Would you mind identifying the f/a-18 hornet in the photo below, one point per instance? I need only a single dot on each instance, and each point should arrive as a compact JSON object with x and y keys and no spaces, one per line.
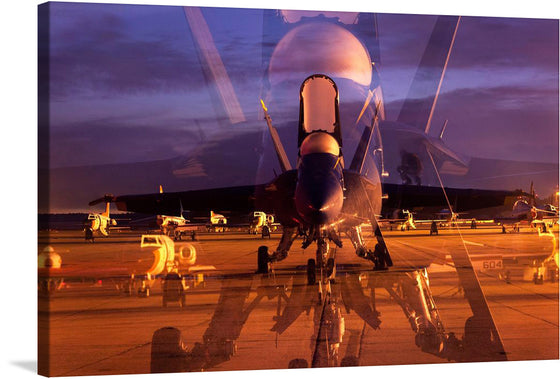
{"x":320,"y":199}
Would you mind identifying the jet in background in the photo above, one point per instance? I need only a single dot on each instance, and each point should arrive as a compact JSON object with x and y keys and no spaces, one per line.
{"x":524,"y":211}
{"x":217,"y":219}
{"x":166,"y":221}
{"x":101,"y":222}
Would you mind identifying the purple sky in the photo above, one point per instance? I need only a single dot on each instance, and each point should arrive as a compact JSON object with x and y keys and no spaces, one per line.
{"x":129,"y":75}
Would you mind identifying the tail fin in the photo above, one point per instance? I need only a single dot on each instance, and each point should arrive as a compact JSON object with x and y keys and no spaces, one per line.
{"x":107,"y":199}
{"x":214,"y":69}
{"x":107,"y":206}
{"x":361,"y":152}
{"x":421,"y":100}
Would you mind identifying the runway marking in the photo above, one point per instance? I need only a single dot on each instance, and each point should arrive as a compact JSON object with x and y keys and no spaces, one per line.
{"x":94,"y":307}
{"x":430,"y":252}
{"x":524,"y":313}
{"x":107,"y":358}
{"x":474,"y":243}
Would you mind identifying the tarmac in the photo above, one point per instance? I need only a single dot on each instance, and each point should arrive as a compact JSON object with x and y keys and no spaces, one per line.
{"x":237,"y":319}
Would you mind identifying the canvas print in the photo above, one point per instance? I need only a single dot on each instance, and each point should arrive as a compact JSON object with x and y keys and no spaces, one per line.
{"x":230,"y":189}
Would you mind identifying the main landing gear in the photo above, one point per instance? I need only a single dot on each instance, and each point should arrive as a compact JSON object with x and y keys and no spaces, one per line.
{"x":322,"y":269}
{"x":379,"y":256}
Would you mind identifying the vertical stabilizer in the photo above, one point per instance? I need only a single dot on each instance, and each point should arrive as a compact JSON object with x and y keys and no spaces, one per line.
{"x":421,"y":100}
{"x":213,"y":65}
{"x":361,"y":152}
{"x":107,"y":206}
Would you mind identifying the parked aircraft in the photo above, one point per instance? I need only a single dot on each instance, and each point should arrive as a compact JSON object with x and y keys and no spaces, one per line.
{"x":260,"y":222}
{"x":217,"y":219}
{"x":175,"y":264}
{"x":166,"y":221}
{"x":320,"y":199}
{"x":524,"y":211}
{"x":101,"y":222}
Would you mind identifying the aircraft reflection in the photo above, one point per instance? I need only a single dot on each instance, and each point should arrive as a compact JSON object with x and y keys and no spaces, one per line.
{"x":354,"y":291}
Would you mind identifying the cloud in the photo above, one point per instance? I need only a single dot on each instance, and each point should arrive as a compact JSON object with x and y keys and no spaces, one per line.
{"x":99,"y":50}
{"x":104,"y":143}
{"x":506,"y":42}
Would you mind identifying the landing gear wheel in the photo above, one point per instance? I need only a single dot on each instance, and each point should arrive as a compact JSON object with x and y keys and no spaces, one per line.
{"x":262,"y":260}
{"x":478,"y":335}
{"x":311,"y":274}
{"x":330,"y":268}
{"x":379,"y":258}
{"x":168,"y":351}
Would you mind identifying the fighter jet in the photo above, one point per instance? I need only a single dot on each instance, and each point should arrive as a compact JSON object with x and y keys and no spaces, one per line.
{"x":524,"y":211}
{"x":101,"y":222}
{"x":320,"y":199}
{"x":167,"y":222}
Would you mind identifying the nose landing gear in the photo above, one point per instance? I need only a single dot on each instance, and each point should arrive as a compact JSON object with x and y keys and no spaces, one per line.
{"x":322,"y":268}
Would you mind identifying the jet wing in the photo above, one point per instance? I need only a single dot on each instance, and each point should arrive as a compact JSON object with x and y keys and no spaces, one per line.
{"x":411,"y":196}
{"x":235,"y":199}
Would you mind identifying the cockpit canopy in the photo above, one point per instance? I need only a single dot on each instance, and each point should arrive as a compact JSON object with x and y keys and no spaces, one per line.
{"x":318,"y":109}
{"x":319,"y":101}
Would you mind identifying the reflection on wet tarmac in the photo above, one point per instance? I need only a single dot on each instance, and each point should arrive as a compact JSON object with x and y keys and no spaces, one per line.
{"x":352,"y":291}
{"x":238,"y":319}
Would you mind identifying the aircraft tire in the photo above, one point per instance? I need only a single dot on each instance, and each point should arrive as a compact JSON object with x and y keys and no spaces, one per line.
{"x":311,"y":274}
{"x":298,"y":363}
{"x":477,"y":335}
{"x":330,"y":268}
{"x":168,"y":353}
{"x":262,"y":260}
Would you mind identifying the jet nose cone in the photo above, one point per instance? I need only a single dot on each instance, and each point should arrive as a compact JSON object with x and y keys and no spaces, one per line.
{"x":319,"y":205}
